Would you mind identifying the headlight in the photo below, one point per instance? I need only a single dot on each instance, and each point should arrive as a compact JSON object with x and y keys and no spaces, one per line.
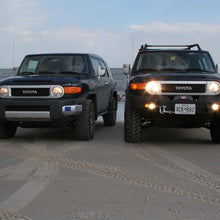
{"x":214,"y":88}
{"x":153,"y":87}
{"x":4,"y":92}
{"x":57,"y":91}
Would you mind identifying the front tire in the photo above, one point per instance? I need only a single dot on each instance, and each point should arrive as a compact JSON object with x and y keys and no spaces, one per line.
{"x":132,"y":124}
{"x":85,"y":122}
{"x":7,"y":130}
{"x":110,"y":118}
{"x":215,"y":132}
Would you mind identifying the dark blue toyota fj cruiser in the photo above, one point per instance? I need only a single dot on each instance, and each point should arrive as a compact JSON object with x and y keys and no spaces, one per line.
{"x":58,"y":90}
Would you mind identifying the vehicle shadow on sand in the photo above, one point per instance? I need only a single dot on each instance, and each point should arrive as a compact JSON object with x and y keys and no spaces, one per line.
{"x":177,"y":136}
{"x":157,"y":136}
{"x":55,"y":134}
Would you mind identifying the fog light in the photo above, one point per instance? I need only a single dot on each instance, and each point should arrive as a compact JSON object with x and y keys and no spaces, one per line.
{"x":215,"y":107}
{"x":150,"y":106}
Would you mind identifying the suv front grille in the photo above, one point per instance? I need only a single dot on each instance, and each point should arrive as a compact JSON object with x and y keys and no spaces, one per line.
{"x":30,"y":92}
{"x":183,"y":88}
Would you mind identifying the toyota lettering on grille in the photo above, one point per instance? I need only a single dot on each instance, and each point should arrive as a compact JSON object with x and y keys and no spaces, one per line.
{"x":183,"y":88}
{"x":29,"y":92}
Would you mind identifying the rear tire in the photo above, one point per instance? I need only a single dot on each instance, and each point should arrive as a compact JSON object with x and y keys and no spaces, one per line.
{"x":7,"y":130}
{"x":215,"y":132}
{"x":132,"y":124}
{"x":110,"y":118}
{"x":85,"y":122}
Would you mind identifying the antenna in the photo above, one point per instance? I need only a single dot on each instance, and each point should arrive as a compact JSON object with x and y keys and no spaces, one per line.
{"x":13,"y":53}
{"x":132,"y":56}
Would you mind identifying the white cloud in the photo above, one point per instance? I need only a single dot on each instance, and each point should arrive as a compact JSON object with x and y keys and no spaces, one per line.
{"x":19,"y":20}
{"x":179,"y":33}
{"x":19,"y":14}
{"x":22,"y":21}
{"x":176,"y":27}
{"x":78,"y":39}
{"x":89,"y":44}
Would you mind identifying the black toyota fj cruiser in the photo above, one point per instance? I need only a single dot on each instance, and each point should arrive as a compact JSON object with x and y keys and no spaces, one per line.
{"x":58,"y":90}
{"x":172,"y":86}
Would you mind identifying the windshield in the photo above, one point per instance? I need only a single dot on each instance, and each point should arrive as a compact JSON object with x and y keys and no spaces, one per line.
{"x":174,"y":61}
{"x":54,"y":64}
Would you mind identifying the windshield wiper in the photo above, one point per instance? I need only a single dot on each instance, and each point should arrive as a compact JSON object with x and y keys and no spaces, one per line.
{"x":199,"y":70}
{"x":147,"y":69}
{"x":70,"y":72}
{"x":171,"y":69}
{"x":46,"y":72}
{"x":25,"y":73}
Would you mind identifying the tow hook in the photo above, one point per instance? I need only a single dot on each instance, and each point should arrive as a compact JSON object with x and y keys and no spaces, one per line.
{"x":163,"y":110}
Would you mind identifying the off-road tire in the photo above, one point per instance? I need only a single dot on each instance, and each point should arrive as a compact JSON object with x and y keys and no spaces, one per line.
{"x":132,"y":124}
{"x":7,"y":130}
{"x":215,"y":132}
{"x":85,"y":122}
{"x":110,"y":118}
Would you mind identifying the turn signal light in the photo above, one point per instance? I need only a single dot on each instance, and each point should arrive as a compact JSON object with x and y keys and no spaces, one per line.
{"x":72,"y":90}
{"x":138,"y":86}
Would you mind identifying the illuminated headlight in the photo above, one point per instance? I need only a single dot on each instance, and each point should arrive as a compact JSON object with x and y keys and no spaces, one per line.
{"x":214,"y":88}
{"x":57,"y":91}
{"x":153,"y":88}
{"x":4,"y":92}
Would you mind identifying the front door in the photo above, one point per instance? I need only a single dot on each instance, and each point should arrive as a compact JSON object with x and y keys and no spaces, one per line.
{"x":100,"y":88}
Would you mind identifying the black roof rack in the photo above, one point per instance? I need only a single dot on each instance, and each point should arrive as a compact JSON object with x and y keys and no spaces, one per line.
{"x":185,"y":47}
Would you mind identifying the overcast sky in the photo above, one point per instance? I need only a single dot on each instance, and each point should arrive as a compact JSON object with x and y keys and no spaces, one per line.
{"x":113,"y":29}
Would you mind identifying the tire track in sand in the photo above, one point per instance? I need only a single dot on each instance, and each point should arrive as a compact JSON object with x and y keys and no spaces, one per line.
{"x":109,"y":172}
{"x":44,"y":173}
{"x":176,"y":165}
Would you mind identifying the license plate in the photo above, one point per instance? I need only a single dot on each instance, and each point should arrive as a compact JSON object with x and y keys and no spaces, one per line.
{"x":185,"y":109}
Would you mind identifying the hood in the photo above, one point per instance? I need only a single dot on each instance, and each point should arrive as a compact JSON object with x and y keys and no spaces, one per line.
{"x":41,"y":80}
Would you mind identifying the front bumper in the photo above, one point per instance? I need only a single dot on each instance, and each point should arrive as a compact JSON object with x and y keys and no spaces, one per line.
{"x":39,"y":109}
{"x":164,"y":113}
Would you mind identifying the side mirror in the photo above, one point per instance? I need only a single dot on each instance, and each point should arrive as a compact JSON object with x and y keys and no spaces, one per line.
{"x":218,"y":68}
{"x":126,"y":69}
{"x":14,"y":70}
{"x":101,"y":71}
